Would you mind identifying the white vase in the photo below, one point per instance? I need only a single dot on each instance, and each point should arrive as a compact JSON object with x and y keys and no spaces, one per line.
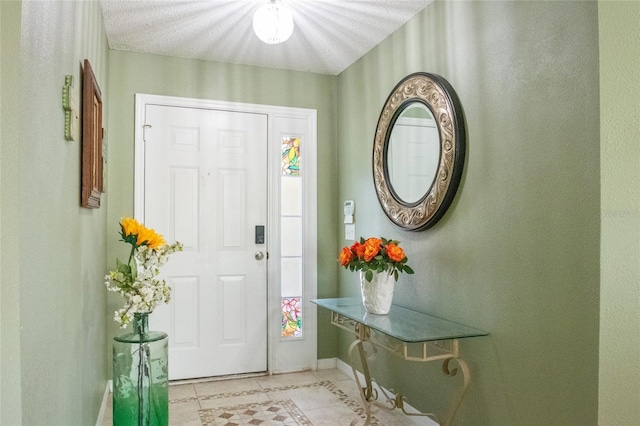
{"x":377,"y":295}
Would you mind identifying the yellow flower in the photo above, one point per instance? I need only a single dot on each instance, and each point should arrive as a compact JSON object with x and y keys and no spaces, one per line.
{"x":136,"y":234}
{"x":129,"y":226}
{"x":150,"y":237}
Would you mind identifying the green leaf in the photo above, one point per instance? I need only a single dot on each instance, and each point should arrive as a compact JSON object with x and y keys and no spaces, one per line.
{"x":134,"y":269}
{"x":368,"y":275}
{"x":407,"y":269}
{"x":123,"y":267}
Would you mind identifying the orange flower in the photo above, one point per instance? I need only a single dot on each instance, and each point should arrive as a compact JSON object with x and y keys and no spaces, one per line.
{"x":345,"y":256}
{"x":375,"y":254}
{"x":358,"y":249}
{"x":372,"y":248}
{"x":395,"y":253}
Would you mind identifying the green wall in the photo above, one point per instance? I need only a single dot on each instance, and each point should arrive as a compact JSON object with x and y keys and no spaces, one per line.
{"x":620,"y":211}
{"x":518,"y":252}
{"x":10,"y":396}
{"x":132,"y":73}
{"x":54,"y":314}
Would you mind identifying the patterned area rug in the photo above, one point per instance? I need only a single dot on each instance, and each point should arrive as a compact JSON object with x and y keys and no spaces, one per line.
{"x":265,"y":413}
{"x":283,"y":412}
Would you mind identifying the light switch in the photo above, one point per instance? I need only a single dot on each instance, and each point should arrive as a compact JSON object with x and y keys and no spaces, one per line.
{"x":350,"y":232}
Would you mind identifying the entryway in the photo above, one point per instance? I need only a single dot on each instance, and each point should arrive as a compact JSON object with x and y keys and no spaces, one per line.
{"x":210,"y":175}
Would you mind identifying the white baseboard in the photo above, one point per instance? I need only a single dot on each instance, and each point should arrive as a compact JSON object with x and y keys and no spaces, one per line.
{"x":345,"y":368}
{"x":421,"y":421}
{"x":103,"y":406}
{"x":327,"y":363}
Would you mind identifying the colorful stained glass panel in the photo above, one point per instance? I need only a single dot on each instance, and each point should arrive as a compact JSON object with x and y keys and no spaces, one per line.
{"x":291,"y":317}
{"x":291,"y":156}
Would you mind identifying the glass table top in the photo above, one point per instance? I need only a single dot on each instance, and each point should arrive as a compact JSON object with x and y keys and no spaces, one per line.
{"x":401,"y":323}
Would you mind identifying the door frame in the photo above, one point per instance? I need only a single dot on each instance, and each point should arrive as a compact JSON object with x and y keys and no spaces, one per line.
{"x":284,"y":354}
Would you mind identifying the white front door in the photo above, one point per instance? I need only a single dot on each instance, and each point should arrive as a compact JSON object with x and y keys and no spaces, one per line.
{"x":205,"y":185}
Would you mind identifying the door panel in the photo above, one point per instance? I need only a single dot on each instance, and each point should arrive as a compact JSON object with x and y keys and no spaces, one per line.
{"x":205,"y":186}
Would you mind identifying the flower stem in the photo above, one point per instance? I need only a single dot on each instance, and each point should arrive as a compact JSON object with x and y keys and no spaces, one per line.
{"x":133,"y":250}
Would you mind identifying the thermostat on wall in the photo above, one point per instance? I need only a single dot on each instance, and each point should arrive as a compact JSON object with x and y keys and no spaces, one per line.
{"x":349,"y":209}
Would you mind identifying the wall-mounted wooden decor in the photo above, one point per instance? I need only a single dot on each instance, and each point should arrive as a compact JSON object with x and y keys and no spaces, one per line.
{"x":91,"y":140}
{"x":71,"y":106}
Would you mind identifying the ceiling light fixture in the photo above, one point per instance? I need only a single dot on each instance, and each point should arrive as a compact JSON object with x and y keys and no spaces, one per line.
{"x":273,"y":22}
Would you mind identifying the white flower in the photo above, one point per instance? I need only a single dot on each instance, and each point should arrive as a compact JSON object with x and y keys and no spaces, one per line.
{"x":143,"y":292}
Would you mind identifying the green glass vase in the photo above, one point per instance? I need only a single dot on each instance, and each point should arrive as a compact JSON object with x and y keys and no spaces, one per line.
{"x":140,"y":376}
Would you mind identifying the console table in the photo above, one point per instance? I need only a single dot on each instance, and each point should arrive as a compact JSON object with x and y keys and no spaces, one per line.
{"x":411,"y":335}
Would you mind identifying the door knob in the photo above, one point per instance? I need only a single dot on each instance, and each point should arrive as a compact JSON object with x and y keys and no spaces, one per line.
{"x":259,"y":255}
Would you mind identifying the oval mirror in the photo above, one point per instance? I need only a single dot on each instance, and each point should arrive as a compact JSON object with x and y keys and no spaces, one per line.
{"x":418,"y":151}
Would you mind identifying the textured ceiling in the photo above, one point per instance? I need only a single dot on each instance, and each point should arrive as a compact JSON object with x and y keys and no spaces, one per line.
{"x":329,"y":35}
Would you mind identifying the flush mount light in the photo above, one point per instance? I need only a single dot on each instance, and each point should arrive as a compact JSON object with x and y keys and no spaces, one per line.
{"x":273,"y":22}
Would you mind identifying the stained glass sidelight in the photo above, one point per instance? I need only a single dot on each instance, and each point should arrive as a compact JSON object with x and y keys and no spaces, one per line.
{"x":291,"y":317}
{"x":291,"y":156}
{"x":291,"y":237}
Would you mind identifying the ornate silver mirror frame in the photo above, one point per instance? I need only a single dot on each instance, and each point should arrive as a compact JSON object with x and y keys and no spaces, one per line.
{"x":439,"y":97}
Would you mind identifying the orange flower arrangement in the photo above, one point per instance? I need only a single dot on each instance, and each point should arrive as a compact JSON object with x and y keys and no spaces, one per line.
{"x":375,"y":255}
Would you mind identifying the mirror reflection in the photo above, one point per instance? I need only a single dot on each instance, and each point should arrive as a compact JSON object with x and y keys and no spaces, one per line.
{"x":413,"y":153}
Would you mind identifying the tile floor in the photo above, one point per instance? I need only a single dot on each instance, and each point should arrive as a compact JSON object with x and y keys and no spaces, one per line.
{"x":313,"y":398}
